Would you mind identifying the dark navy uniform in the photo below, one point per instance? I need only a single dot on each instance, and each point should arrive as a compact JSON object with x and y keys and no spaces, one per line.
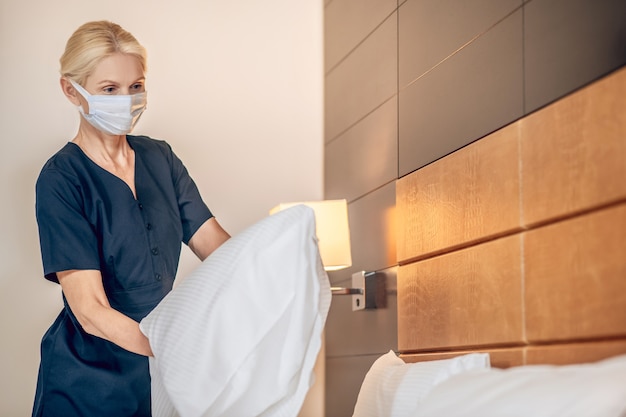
{"x":89,"y":219}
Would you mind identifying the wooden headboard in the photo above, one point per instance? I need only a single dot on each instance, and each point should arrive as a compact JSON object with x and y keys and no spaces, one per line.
{"x":516,"y":244}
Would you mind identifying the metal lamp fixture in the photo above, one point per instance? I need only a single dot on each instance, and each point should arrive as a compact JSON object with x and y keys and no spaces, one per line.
{"x":333,"y":235}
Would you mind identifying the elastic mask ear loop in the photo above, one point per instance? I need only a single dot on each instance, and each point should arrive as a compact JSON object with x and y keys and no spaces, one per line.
{"x":83,"y":93}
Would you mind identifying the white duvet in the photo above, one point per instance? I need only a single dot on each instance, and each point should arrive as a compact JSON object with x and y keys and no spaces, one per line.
{"x":466,"y":386}
{"x":240,"y":335}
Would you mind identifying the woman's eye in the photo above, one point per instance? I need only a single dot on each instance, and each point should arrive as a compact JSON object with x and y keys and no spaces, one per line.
{"x":137,"y":88}
{"x":108,"y":90}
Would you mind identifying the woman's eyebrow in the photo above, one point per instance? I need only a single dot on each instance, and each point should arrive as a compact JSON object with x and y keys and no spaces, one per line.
{"x":142,"y":79}
{"x":108,"y":82}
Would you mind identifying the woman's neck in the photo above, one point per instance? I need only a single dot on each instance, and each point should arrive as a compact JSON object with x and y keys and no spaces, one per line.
{"x":111,"y":153}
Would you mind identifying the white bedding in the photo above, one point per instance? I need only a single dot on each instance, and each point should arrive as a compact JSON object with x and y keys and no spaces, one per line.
{"x":240,"y":335}
{"x":395,"y":388}
{"x":587,"y":390}
{"x":464,"y":387}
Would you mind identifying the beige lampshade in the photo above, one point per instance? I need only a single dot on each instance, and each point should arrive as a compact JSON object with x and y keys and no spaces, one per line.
{"x":333,"y":232}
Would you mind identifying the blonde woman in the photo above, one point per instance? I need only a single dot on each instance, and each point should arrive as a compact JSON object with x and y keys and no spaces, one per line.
{"x":112,"y":210}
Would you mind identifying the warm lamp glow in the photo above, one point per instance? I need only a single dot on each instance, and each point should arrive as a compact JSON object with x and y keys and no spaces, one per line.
{"x":333,"y":232}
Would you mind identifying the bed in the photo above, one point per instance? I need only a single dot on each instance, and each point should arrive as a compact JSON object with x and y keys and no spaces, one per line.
{"x":514,"y":248}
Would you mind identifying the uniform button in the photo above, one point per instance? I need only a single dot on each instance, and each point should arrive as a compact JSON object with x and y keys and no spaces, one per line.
{"x":155,"y":251}
{"x":157,"y":277}
{"x":149,"y":226}
{"x":140,"y":206}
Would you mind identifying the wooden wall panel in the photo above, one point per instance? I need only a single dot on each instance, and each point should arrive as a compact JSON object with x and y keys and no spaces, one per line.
{"x":365,"y":157}
{"x":472,"y":297}
{"x":344,"y":376}
{"x":475,"y":89}
{"x":568,"y":43}
{"x":469,"y":196}
{"x":432,"y":30}
{"x":363,"y":81}
{"x":474,"y":92}
{"x":574,"y":152}
{"x":563,"y":354}
{"x":552,"y":290}
{"x":499,"y":358}
{"x":555,"y":354}
{"x":348,"y":22}
{"x":575,"y":277}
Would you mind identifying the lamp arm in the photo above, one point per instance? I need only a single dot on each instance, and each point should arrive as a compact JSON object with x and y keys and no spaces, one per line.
{"x":345,"y":291}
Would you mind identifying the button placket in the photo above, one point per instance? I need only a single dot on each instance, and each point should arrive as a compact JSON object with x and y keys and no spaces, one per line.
{"x":154,"y":250}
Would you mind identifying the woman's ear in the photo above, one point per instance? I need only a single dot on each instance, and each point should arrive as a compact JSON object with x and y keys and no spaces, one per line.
{"x":70,"y":92}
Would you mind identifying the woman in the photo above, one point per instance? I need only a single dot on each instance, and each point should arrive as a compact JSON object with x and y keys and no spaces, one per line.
{"x":112,"y":211}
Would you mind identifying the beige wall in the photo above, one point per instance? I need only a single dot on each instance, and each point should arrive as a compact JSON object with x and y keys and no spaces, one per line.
{"x":235,"y":87}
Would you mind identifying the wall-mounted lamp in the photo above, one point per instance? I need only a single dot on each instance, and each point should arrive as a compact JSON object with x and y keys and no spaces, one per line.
{"x":333,"y":232}
{"x":333,"y":235}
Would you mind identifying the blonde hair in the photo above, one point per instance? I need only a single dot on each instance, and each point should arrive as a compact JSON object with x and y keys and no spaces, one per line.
{"x":92,"y":42}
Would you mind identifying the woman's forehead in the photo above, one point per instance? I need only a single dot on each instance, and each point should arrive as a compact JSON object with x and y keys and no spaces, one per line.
{"x":120,"y":68}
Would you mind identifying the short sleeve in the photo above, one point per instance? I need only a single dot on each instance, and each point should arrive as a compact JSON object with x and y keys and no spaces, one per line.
{"x":66,"y":237}
{"x":193,"y":211}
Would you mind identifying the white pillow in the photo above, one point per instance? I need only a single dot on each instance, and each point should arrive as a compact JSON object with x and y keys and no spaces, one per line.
{"x":240,"y":335}
{"x":394,"y":388}
{"x":588,"y":390}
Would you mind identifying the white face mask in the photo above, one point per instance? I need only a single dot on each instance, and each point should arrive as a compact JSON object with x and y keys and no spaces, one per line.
{"x":112,"y":114}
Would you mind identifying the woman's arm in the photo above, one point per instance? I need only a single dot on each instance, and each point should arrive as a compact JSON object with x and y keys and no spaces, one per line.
{"x":207,"y":238}
{"x":86,"y":297}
